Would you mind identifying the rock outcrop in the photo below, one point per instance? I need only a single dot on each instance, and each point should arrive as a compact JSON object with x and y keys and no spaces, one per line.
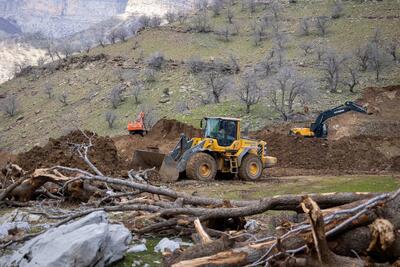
{"x":90,"y":241}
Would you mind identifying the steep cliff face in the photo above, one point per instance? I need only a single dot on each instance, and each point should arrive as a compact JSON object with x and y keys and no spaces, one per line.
{"x":157,"y":7}
{"x":59,"y":17}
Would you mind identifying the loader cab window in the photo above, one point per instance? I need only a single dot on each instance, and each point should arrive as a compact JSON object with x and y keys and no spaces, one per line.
{"x":224,"y":131}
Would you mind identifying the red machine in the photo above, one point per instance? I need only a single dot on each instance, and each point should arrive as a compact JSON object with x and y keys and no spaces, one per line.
{"x":137,"y":127}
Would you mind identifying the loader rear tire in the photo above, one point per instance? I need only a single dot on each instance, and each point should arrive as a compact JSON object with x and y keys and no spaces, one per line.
{"x":251,"y":168}
{"x":201,"y":166}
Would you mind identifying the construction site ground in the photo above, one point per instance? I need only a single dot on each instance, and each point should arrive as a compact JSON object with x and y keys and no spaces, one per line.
{"x":359,"y":146}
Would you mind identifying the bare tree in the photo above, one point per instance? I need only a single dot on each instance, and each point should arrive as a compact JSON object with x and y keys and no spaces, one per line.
{"x":201,"y":22}
{"x":223,"y":34}
{"x":116,"y":96}
{"x":307,"y":48}
{"x":195,"y":64}
{"x":151,"y":116}
{"x":10,"y":106}
{"x":66,"y":48}
{"x":50,"y":47}
{"x":99,"y":38}
{"x":376,"y":59}
{"x":304,"y":27}
{"x":321,"y":23}
{"x":287,"y":89}
{"x":362,"y":55}
{"x":216,"y":84}
{"x":110,"y":118}
{"x":63,"y":98}
{"x":48,"y":89}
{"x":249,"y":91}
{"x":155,"y":21}
{"x":170,"y":17}
{"x":337,"y":9}
{"x":144,"y":20}
{"x":217,"y":6}
{"x":276,"y":10}
{"x":156,"y":60}
{"x":182,"y":17}
{"x":280,"y":41}
{"x":267,"y":64}
{"x":86,"y":46}
{"x":353,"y":79}
{"x":391,"y":48}
{"x":121,"y":34}
{"x":229,"y":13}
{"x":201,"y":5}
{"x":331,"y":66}
{"x":137,"y":88}
{"x":252,"y":6}
{"x":112,"y":36}
{"x":320,"y":51}
{"x":150,"y":75}
{"x":234,"y":63}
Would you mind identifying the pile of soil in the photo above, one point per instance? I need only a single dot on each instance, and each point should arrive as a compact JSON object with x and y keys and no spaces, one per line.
{"x":346,"y":155}
{"x":383,"y":103}
{"x":103,"y":154}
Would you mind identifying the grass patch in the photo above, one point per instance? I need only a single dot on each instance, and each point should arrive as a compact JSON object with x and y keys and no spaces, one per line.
{"x":153,"y":259}
{"x":295,"y":185}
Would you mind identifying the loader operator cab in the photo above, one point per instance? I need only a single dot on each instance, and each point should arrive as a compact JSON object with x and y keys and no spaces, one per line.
{"x":224,"y":130}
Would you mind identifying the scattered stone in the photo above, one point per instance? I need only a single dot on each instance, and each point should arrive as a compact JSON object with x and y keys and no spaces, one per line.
{"x":251,"y":225}
{"x":6,"y":227}
{"x":166,"y":244}
{"x":37,"y":111}
{"x":136,"y":263}
{"x":137,"y":248}
{"x":20,"y":118}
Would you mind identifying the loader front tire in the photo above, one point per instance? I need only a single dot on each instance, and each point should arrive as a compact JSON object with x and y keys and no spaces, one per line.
{"x":201,"y":166}
{"x":251,"y":168}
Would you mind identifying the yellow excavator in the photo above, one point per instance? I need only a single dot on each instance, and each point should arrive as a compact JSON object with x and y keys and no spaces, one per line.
{"x":319,"y":129}
{"x":220,"y":150}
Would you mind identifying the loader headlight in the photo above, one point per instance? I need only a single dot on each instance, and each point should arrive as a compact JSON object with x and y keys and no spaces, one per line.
{"x":265,"y":150}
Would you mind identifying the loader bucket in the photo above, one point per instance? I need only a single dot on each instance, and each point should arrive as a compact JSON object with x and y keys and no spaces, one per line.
{"x":148,"y":159}
{"x":169,"y":170}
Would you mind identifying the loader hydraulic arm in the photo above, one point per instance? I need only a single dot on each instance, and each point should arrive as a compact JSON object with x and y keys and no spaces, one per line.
{"x":318,"y":126}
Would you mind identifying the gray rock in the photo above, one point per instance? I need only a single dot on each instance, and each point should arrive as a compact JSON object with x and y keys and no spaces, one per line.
{"x":251,"y":225}
{"x":165,"y":244}
{"x":90,"y":241}
{"x":137,"y":248}
{"x":5,"y":227}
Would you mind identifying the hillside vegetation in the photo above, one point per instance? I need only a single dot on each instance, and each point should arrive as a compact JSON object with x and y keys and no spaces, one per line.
{"x":169,"y":71}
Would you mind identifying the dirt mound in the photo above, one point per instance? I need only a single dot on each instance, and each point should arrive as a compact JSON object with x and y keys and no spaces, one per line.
{"x":171,"y":129}
{"x":164,"y":136}
{"x":347,"y":155}
{"x":58,"y":151}
{"x":383,"y":103}
{"x":5,"y":157}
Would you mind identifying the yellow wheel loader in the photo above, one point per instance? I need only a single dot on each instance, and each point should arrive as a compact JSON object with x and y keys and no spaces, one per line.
{"x":220,"y":150}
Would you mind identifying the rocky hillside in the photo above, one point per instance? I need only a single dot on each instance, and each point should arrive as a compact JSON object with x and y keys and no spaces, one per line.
{"x":169,"y":70}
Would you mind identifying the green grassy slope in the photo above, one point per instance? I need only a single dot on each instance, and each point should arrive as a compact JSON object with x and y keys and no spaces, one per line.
{"x":43,"y":117}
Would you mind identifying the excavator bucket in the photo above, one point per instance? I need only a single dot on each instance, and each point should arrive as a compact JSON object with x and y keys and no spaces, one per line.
{"x":148,"y":158}
{"x":169,"y":169}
